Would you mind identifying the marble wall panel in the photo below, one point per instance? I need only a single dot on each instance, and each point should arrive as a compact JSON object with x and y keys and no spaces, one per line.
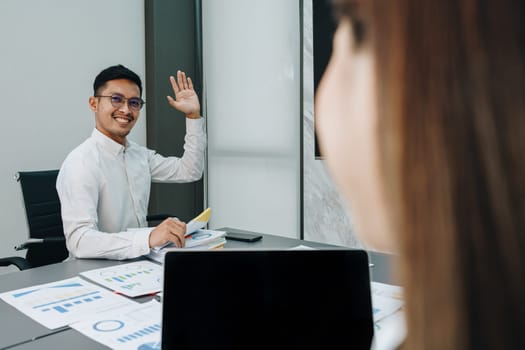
{"x":326,"y":218}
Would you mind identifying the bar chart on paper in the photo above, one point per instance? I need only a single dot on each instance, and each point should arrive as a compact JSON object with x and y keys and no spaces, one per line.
{"x":132,"y":279}
{"x":133,"y":327}
{"x":61,"y":303}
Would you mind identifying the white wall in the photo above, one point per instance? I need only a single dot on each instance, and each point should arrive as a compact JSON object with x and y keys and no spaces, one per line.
{"x":51,"y":52}
{"x":251,"y":55}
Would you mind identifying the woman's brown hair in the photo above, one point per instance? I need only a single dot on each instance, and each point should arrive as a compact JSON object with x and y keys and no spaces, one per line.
{"x":451,"y":86}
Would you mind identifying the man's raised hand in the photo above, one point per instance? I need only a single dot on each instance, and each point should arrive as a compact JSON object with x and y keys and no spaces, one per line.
{"x":186,"y":99}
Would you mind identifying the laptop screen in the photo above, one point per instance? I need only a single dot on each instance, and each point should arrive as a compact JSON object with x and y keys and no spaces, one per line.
{"x":265,"y":299}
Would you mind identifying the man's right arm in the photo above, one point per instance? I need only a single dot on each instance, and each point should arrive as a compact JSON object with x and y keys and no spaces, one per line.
{"x":78,"y":186}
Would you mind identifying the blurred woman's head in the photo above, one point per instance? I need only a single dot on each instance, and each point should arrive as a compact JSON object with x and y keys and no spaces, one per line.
{"x":421,"y":119}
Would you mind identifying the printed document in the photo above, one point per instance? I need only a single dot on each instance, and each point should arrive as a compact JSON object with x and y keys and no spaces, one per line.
{"x":389,"y":321}
{"x":61,"y":303}
{"x":199,"y":240}
{"x":386,"y":300}
{"x":133,"y":279}
{"x":134,"y":327}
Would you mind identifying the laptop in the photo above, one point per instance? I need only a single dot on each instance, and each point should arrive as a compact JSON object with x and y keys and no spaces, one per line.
{"x":295,"y":299}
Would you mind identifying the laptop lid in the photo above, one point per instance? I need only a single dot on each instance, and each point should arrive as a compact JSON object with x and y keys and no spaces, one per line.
{"x":266,"y":299}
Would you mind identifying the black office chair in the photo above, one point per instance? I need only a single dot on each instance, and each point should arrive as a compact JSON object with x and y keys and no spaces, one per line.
{"x":46,"y":243}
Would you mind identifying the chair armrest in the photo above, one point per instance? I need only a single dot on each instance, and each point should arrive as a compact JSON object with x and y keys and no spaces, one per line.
{"x":38,"y":241}
{"x":18,"y":261}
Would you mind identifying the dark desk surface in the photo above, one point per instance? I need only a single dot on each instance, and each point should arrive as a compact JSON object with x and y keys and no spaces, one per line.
{"x":19,"y":329}
{"x":381,"y":263}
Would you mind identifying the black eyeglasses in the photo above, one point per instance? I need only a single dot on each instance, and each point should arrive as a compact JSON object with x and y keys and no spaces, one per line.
{"x":117,"y":101}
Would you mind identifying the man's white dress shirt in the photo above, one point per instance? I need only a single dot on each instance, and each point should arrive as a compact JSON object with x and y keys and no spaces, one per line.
{"x":104,"y":190}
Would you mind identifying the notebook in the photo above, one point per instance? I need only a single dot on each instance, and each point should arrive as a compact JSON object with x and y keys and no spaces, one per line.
{"x":296,"y":299}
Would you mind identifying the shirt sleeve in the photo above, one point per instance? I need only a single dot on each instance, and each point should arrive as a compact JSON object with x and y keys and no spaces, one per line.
{"x":78,"y":190}
{"x":190,"y":166}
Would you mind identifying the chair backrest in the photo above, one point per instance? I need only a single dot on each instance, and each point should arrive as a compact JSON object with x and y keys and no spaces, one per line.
{"x":43,"y":214}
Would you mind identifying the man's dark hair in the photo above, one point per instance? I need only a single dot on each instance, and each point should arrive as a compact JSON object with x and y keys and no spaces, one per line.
{"x":115,"y":72}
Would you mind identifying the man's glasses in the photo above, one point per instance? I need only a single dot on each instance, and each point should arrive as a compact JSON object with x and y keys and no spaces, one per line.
{"x":117,"y":101}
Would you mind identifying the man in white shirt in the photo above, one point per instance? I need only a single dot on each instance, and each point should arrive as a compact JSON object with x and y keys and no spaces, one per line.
{"x":104,"y":183}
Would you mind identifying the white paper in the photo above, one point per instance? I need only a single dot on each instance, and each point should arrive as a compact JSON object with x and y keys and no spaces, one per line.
{"x":302,"y":247}
{"x":61,"y":303}
{"x":157,"y":255}
{"x":389,"y":323}
{"x":384,"y":306}
{"x":390,"y":332}
{"x":214,"y":242}
{"x":386,"y":300}
{"x":193,"y":226}
{"x":133,"y":279}
{"x":386,"y":290}
{"x":202,"y":237}
{"x":199,"y":237}
{"x":134,"y":327}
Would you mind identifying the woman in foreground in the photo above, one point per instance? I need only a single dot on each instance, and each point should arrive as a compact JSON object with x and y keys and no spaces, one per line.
{"x":421,"y":119}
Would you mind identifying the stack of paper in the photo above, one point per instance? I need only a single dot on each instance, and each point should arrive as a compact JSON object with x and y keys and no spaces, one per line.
{"x":206,"y":239}
{"x":198,"y":222}
{"x":199,"y":240}
{"x":196,"y":238}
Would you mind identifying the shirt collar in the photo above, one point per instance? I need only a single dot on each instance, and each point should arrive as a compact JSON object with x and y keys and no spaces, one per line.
{"x":107,"y":143}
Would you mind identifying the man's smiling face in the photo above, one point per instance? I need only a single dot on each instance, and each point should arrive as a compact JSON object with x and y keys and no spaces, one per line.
{"x":115,"y":122}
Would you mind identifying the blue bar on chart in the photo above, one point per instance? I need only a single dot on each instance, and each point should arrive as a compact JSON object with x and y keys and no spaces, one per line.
{"x":125,"y":276}
{"x":140,"y":333}
{"x":68,"y":303}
